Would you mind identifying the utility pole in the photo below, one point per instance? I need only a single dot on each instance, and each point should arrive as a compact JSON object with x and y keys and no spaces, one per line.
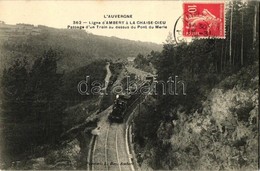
{"x":242,"y":41}
{"x":230,"y":34}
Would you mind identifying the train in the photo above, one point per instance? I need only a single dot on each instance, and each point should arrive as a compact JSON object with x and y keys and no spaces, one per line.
{"x":123,"y":102}
{"x":121,"y":105}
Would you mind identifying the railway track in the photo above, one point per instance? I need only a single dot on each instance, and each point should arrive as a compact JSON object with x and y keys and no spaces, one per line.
{"x":111,"y":149}
{"x":117,"y":155}
{"x":106,"y":159}
{"x":110,"y":152}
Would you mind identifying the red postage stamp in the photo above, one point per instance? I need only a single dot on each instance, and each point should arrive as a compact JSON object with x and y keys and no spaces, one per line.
{"x":204,"y":20}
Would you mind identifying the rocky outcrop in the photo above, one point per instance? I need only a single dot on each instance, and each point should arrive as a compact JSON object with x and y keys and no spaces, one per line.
{"x":222,"y":136}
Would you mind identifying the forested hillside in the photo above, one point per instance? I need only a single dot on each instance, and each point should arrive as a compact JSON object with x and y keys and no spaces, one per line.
{"x":40,"y":69}
{"x":34,"y":97}
{"x":213,"y":126}
{"x":39,"y":87}
{"x":76,"y":48}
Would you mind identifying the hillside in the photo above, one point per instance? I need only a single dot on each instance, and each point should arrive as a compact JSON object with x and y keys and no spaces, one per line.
{"x":222,"y":135}
{"x":77,"y":48}
{"x":214,"y":124}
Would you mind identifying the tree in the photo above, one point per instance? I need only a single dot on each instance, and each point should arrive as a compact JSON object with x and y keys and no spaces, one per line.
{"x":32,"y":103}
{"x":15,"y":106}
{"x":45,"y":84}
{"x":14,"y":83}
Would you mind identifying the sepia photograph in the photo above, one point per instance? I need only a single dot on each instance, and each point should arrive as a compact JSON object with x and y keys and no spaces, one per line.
{"x":129,"y":85}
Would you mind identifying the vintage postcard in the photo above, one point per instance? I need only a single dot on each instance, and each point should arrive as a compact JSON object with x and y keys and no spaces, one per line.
{"x":129,"y":85}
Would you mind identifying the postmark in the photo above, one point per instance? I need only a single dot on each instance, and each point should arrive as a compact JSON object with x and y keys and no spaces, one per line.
{"x":178,"y":30}
{"x":204,"y":20}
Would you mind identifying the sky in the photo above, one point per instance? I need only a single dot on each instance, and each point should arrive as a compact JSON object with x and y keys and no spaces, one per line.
{"x":59,"y":14}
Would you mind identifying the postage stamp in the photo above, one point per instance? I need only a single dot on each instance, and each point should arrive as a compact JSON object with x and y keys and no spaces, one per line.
{"x":206,"y":20}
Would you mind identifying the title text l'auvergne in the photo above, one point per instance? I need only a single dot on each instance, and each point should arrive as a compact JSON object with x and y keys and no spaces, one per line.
{"x":119,"y":16}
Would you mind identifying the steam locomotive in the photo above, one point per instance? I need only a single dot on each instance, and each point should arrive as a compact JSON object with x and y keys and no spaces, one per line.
{"x":123,"y":102}
{"x":120,"y":108}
